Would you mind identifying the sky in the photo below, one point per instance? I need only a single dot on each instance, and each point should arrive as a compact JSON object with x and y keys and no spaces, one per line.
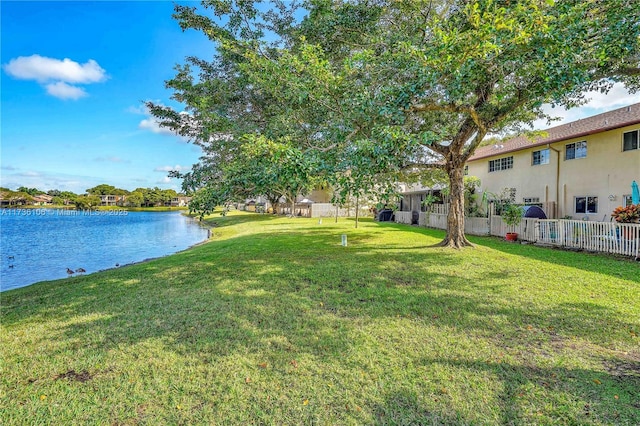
{"x":73,"y":81}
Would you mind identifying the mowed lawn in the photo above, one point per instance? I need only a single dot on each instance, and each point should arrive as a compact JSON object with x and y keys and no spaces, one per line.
{"x":274,"y":322}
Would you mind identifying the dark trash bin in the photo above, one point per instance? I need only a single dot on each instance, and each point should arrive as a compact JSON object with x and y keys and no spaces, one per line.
{"x":385,"y":215}
{"x":415,"y":218}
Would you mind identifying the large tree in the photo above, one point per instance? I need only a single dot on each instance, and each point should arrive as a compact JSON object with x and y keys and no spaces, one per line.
{"x":479,"y":67}
{"x":389,"y":87}
{"x":221,"y":105}
{"x":261,"y":167}
{"x":430,"y":79}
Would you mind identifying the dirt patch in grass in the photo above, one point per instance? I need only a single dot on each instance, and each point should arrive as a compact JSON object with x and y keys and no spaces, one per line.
{"x":73,"y":375}
{"x":627,"y":366}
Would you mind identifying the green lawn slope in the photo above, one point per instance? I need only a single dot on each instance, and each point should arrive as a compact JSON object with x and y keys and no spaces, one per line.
{"x":274,"y":322}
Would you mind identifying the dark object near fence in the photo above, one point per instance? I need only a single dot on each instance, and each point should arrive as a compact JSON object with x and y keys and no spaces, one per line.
{"x":415,"y":218}
{"x":386,"y":215}
{"x":534,"y":212}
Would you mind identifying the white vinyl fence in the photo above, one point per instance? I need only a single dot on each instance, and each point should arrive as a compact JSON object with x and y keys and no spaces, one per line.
{"x":606,"y":237}
{"x":472,"y":225}
{"x":329,"y":210}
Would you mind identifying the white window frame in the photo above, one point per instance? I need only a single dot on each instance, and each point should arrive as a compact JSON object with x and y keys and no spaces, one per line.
{"x":531,"y":200}
{"x":578,"y":147}
{"x":544,"y":158}
{"x":504,"y":163}
{"x":587,"y":199}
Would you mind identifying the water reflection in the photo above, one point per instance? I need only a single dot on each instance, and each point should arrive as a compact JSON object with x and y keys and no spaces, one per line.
{"x":45,"y":244}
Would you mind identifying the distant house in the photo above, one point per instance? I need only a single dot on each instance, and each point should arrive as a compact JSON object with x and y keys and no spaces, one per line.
{"x":180,"y":201}
{"x":112,"y":200}
{"x":581,"y":169}
{"x":414,"y":195}
{"x":317,"y":195}
{"x":42,"y":200}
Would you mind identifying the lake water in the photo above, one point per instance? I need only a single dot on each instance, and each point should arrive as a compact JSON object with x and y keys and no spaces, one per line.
{"x":40,"y":244}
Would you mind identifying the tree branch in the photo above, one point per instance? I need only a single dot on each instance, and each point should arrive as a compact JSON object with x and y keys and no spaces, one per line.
{"x":423,"y":166}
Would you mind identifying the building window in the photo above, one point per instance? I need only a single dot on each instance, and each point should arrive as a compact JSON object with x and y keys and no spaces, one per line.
{"x":466,"y":170}
{"x":630,"y":141}
{"x":540,"y":157}
{"x":501,"y":164}
{"x":627,"y":200}
{"x":576,"y":150}
{"x":586,"y":205}
{"x":531,"y":200}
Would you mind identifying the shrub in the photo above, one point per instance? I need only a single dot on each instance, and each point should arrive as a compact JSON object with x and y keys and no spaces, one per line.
{"x":627,"y":214}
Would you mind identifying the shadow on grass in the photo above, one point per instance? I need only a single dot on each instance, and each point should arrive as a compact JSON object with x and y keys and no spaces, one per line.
{"x":564,"y":388}
{"x":301,"y":293}
{"x":587,"y":261}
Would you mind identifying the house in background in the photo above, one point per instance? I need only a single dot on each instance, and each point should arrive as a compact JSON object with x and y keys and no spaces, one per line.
{"x":180,"y":201}
{"x":413,"y":196}
{"x":112,"y":200}
{"x":42,"y":200}
{"x":581,"y":169}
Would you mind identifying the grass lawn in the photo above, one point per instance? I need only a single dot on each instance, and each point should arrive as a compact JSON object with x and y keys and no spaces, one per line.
{"x":274,"y":322}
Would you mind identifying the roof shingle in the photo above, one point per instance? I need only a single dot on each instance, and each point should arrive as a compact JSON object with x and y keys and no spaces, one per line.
{"x":598,"y":123}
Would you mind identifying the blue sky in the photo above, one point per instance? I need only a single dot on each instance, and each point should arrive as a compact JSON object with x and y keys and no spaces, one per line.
{"x":74,"y":75}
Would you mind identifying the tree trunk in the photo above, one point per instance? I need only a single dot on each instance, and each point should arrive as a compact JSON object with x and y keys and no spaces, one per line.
{"x":274,"y":203}
{"x":455,"y":220}
{"x":357,"y":208}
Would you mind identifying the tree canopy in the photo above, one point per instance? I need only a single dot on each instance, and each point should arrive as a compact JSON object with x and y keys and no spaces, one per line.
{"x":383,"y":90}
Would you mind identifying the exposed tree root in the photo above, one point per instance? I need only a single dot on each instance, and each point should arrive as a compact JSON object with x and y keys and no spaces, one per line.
{"x":455,"y":243}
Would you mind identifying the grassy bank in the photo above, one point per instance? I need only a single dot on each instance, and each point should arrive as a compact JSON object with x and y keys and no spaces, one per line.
{"x":274,"y":322}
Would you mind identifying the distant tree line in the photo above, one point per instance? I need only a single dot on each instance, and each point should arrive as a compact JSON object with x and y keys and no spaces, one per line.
{"x":140,"y":197}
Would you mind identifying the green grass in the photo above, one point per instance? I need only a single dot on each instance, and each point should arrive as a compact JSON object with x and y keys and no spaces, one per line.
{"x":274,"y":322}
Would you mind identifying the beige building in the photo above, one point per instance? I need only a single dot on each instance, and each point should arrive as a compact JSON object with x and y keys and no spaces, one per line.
{"x":582,"y":169}
{"x":180,"y":201}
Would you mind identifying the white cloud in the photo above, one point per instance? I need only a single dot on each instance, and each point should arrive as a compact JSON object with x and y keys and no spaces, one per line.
{"x":177,"y":167}
{"x":140,"y":109}
{"x":63,"y":90}
{"x":598,"y":103}
{"x":43,"y":69}
{"x":152,"y":125}
{"x":59,"y":77}
{"x":617,"y":97}
{"x":164,"y":180}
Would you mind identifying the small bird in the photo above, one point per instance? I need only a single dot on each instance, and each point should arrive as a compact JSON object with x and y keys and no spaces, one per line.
{"x":11,"y":257}
{"x":117,"y":265}
{"x":80,"y":271}
{"x":70,"y":272}
{"x":11,"y":266}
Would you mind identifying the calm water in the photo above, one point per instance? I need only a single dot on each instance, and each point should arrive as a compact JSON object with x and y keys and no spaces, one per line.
{"x":40,"y":244}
